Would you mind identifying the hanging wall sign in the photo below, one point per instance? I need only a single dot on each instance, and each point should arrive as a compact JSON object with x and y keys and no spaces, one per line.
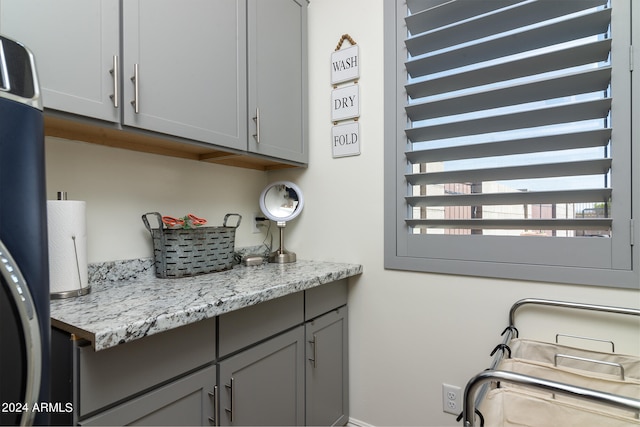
{"x":345,"y":103}
{"x":345,"y":139}
{"x":345,"y":65}
{"x":345,"y":99}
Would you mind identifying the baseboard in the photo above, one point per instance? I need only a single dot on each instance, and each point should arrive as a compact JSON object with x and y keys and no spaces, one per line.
{"x":357,"y":423}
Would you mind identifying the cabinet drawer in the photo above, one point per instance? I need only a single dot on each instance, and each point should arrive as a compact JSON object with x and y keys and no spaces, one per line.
{"x":111,"y":375}
{"x":186,"y":401}
{"x":241,"y":328}
{"x":322,"y":299}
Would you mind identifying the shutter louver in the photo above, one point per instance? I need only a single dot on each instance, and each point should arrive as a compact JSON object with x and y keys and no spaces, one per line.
{"x":509,"y":117}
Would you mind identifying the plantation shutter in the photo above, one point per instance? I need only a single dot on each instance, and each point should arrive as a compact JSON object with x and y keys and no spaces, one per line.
{"x":513,"y":114}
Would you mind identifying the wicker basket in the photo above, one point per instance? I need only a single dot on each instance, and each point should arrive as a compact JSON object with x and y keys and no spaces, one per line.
{"x":189,"y":252}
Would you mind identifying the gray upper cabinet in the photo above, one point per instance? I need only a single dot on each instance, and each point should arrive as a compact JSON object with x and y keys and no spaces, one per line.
{"x":75,"y":43}
{"x":184,"y":69}
{"x":277,"y":31}
{"x":213,"y":72}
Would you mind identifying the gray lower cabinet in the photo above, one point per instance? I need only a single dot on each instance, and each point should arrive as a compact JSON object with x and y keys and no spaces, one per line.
{"x":165,"y":376}
{"x":264,"y":385}
{"x":108,"y":377}
{"x":188,"y":401}
{"x":293,"y":378}
{"x":280,"y":362}
{"x":327,"y":370}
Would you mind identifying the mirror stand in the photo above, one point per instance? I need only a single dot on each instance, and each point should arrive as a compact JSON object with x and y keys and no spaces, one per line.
{"x":282,"y":256}
{"x":281,"y":201}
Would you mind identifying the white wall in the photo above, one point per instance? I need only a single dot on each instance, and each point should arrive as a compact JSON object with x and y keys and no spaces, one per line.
{"x":409,"y":332}
{"x":119,"y":186}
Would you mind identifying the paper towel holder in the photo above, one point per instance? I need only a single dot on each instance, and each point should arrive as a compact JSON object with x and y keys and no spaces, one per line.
{"x":62,"y":195}
{"x":73,"y":292}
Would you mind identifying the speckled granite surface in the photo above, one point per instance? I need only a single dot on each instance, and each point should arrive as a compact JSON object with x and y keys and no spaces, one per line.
{"x":128,"y":302}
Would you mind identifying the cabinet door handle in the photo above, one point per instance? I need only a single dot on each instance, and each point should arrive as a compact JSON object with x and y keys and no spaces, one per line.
{"x":136,"y":87}
{"x":116,"y":82}
{"x":214,"y":395}
{"x":256,"y":119}
{"x":230,"y":388}
{"x":314,"y":342}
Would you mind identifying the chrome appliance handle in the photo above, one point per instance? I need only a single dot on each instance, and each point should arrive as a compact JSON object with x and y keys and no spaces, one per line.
{"x":116,"y":82}
{"x":19,"y":290}
{"x":136,"y":90}
{"x":4,"y":72}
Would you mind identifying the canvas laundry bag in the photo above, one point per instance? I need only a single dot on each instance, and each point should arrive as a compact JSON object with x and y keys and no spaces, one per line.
{"x":507,"y":407}
{"x":595,"y":381}
{"x":546,"y":352}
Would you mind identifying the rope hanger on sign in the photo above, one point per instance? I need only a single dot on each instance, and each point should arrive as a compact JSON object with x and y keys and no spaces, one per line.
{"x":346,"y":37}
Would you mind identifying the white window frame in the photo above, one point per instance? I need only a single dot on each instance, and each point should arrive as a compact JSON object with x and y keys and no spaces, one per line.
{"x":503,"y":257}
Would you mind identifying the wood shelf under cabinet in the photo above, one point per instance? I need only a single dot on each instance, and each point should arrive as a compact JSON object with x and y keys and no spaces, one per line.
{"x":138,"y":141}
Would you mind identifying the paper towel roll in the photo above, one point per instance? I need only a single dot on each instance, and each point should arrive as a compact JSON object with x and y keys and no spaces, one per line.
{"x":67,"y":227}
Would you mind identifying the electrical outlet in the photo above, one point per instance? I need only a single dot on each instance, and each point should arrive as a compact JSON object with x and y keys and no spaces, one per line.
{"x":255,"y":223}
{"x":451,"y":399}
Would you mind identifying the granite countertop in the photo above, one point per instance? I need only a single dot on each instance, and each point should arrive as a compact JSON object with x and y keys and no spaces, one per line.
{"x":120,"y":311}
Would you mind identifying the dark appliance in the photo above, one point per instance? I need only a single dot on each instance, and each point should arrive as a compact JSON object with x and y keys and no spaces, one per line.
{"x":24,"y":271}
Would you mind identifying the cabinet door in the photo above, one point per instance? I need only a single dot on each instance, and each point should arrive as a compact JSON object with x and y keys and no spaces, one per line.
{"x":277,"y":78}
{"x":264,"y":385}
{"x":75,"y":43}
{"x":188,"y":401}
{"x":327,"y":369}
{"x":190,"y":58}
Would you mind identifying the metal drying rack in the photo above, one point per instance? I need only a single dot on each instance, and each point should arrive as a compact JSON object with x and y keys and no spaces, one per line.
{"x":478,"y":386}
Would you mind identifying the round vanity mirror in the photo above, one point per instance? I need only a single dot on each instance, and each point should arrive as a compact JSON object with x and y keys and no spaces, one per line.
{"x":281,"y":201}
